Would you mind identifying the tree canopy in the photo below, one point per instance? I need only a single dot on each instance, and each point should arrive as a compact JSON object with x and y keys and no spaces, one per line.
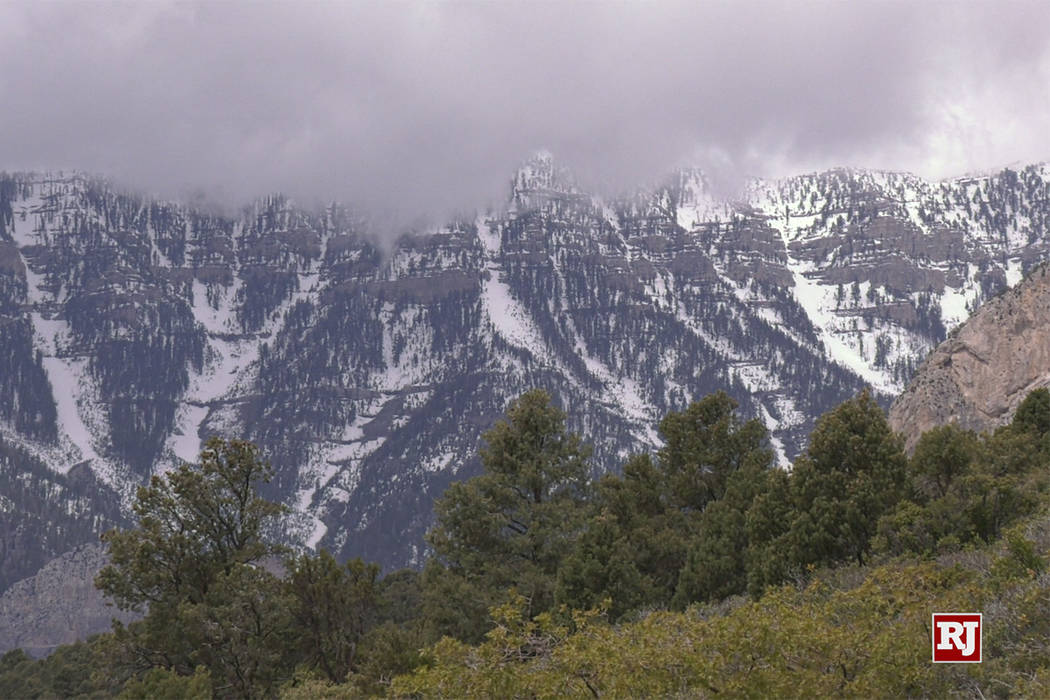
{"x":546,"y":581}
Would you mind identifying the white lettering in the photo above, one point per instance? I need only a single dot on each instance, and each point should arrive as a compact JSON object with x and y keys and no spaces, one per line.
{"x":952,"y":633}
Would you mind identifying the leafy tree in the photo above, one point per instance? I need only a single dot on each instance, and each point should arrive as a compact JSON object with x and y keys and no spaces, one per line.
{"x":400,"y":597}
{"x":389,"y":649}
{"x":72,"y":670}
{"x":970,"y":487}
{"x":942,"y":455}
{"x":162,"y":684}
{"x":1033,"y":415}
{"x":865,"y":640}
{"x":512,"y":525}
{"x":242,"y":633}
{"x":195,"y":522}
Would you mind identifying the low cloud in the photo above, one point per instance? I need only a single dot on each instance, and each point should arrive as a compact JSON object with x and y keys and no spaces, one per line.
{"x":427,"y":108}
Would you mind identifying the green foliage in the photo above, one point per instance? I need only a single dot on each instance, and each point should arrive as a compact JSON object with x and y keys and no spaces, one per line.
{"x":868,"y":637}
{"x":194,"y":560}
{"x":670,"y":531}
{"x":163,"y":684}
{"x":512,"y":525}
{"x":720,"y":556}
{"x":942,"y":455}
{"x":1020,"y":560}
{"x":638,"y":505}
{"x":603,"y":566}
{"x":389,"y":650}
{"x":854,"y":472}
{"x":333,"y":608}
{"x":71,"y":671}
{"x":309,"y":688}
{"x":970,"y":487}
{"x":704,"y":446}
{"x":546,"y":585}
{"x":1033,"y":415}
{"x":195,"y":522}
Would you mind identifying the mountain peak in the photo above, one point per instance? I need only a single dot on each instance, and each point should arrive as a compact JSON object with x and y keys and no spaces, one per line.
{"x":538,"y":179}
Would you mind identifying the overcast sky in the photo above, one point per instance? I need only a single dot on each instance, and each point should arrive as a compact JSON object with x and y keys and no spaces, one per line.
{"x":428,"y":107}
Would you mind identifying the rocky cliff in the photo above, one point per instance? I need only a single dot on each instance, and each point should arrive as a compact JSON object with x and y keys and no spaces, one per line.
{"x":134,"y":328}
{"x":58,"y":605}
{"x":979,"y":375}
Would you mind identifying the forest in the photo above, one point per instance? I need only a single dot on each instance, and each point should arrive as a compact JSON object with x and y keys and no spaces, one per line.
{"x":701,"y":569}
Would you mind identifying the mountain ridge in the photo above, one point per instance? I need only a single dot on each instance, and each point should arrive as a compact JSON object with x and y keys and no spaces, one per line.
{"x":367,"y":375}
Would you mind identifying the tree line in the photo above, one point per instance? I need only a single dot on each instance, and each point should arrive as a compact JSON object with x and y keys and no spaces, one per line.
{"x":537,"y":562}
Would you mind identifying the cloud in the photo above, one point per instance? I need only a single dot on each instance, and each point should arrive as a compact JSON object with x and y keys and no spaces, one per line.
{"x":428,"y":107}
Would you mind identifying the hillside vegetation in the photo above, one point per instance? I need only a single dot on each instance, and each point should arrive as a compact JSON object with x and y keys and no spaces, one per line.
{"x":701,"y":569}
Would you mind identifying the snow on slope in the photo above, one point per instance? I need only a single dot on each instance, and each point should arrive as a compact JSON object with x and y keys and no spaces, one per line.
{"x":67,"y":375}
{"x":508,"y":317}
{"x":815,"y":299}
{"x":511,"y":320}
{"x":331,"y":470}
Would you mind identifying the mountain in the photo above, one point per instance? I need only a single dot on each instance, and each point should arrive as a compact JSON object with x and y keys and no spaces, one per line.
{"x":979,"y":376}
{"x":368,"y":369}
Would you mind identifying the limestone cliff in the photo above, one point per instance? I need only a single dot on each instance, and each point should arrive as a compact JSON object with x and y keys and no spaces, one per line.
{"x":979,"y":375}
{"x":59,"y":605}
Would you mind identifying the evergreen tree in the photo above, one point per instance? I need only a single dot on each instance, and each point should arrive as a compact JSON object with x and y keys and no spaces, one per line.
{"x":659,"y":515}
{"x":853,"y":473}
{"x":1033,"y":415}
{"x":603,"y":567}
{"x":717,"y":562}
{"x":513,"y":525}
{"x":942,"y":455}
{"x":333,"y":608}
{"x":194,"y":562}
{"x":704,"y":445}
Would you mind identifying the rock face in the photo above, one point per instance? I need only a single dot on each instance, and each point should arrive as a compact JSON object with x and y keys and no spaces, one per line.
{"x":58,"y":605}
{"x":132,"y":329}
{"x":979,"y":375}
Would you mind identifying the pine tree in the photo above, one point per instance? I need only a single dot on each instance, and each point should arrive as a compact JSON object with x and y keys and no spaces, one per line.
{"x":668,"y":529}
{"x":513,"y":525}
{"x":853,"y":473}
{"x":333,"y":608}
{"x":193,"y":565}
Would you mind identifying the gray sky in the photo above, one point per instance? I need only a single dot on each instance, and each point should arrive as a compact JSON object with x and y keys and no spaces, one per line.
{"x":428,"y":107}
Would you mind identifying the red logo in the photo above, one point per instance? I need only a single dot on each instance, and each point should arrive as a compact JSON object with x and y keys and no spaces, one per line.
{"x":957,"y":638}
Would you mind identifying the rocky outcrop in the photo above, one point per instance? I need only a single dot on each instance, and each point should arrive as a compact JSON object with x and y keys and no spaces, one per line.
{"x":979,"y":375}
{"x":58,"y":605}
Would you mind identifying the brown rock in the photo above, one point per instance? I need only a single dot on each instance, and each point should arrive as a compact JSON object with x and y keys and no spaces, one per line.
{"x":979,"y":375}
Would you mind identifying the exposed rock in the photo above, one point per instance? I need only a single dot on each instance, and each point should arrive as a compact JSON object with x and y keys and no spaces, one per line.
{"x":58,"y":605}
{"x":978,"y":376}
{"x":132,"y":329}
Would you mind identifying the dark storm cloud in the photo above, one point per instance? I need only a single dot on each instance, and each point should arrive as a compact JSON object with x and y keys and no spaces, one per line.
{"x":428,"y":107}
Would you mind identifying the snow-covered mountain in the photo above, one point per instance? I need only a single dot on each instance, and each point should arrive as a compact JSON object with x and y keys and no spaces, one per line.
{"x":134,"y":329}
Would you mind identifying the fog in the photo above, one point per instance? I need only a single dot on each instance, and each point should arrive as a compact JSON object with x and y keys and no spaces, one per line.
{"x":427,"y":108}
